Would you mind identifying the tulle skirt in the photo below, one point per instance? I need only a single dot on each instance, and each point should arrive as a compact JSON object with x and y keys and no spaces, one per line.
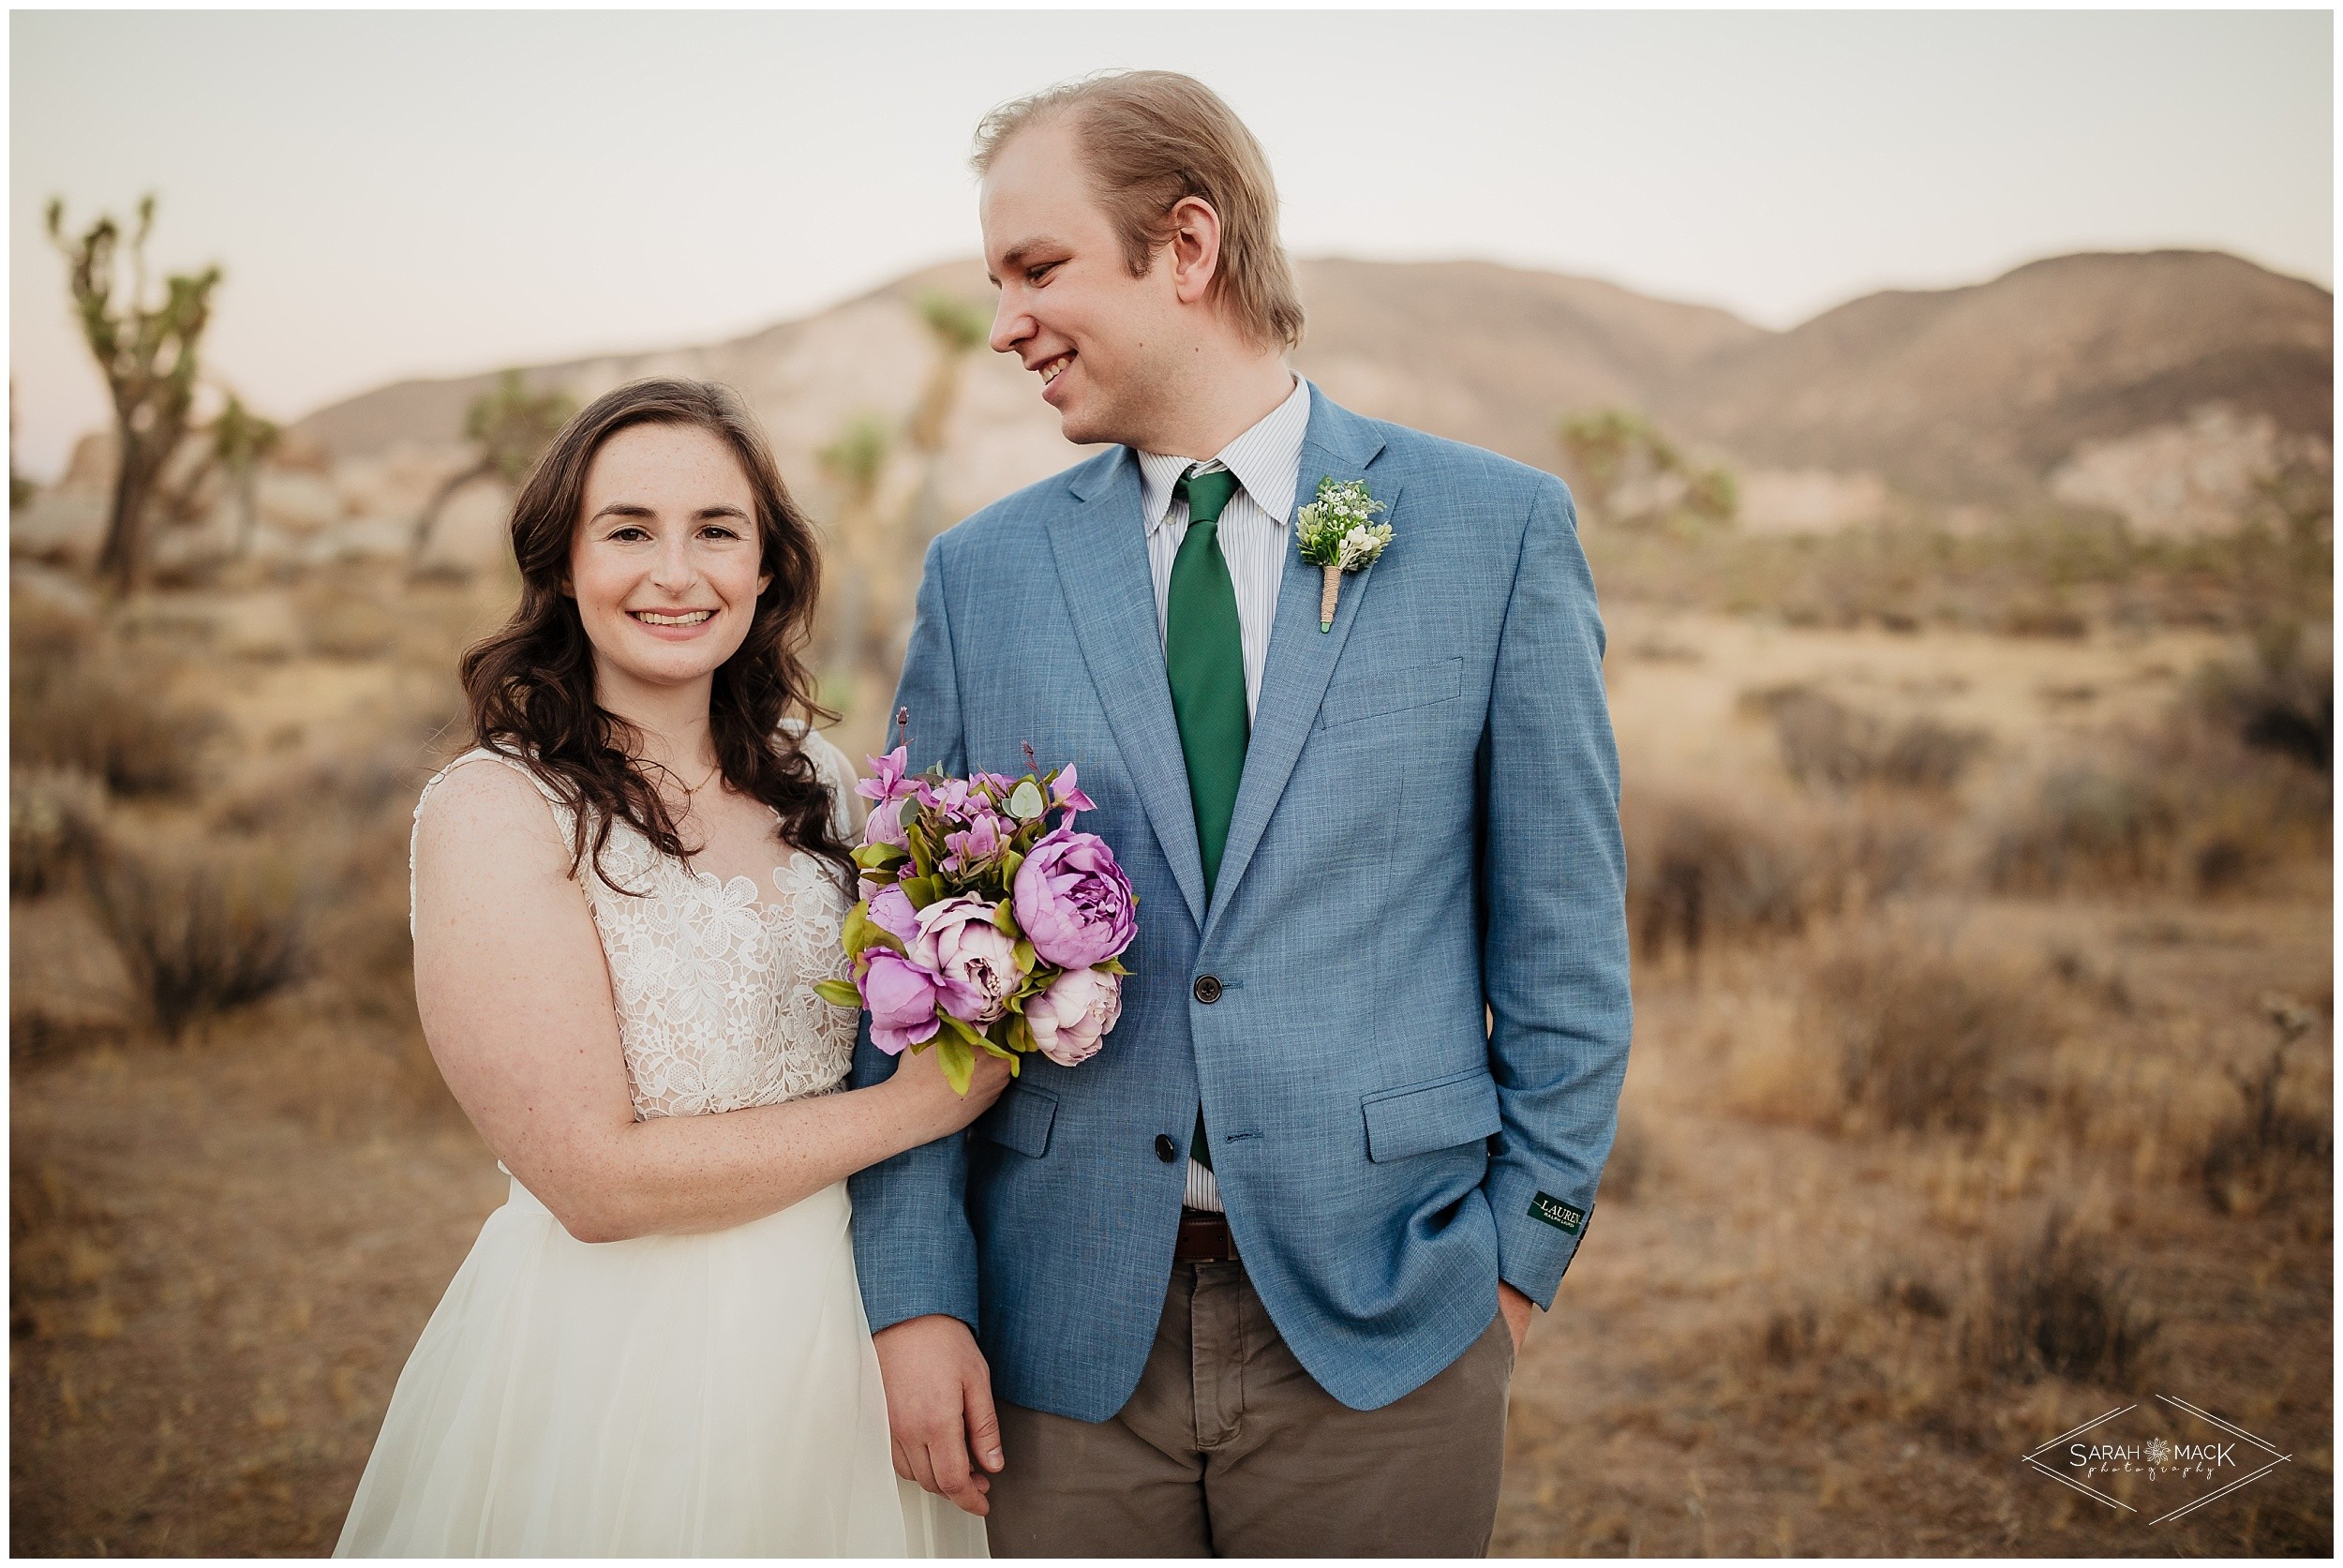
{"x":700,"y":1396}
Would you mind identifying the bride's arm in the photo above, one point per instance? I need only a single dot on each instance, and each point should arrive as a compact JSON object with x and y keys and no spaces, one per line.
{"x":516,"y":1003}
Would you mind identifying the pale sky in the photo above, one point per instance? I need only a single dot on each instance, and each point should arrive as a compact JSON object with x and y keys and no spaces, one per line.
{"x":429,"y":193}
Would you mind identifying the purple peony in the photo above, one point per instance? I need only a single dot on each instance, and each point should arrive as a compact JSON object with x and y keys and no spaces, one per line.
{"x":1067,"y":1019}
{"x":885,"y":825}
{"x":891,"y":912}
{"x":974,"y":961}
{"x":1073,"y":901}
{"x":902,"y":998}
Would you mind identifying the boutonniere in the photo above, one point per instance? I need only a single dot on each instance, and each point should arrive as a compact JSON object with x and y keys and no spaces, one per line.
{"x":1339,"y":533}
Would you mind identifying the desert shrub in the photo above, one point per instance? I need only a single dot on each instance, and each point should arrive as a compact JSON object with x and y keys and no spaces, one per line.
{"x":2281,"y":701}
{"x":2089,"y":822}
{"x":1699,"y":870}
{"x":200,"y":933}
{"x":54,"y":819}
{"x":1824,"y":743}
{"x":2270,"y":1152}
{"x":1922,"y":1042}
{"x":2055,"y":1305}
{"x":2231,"y":780}
{"x":78,"y":700}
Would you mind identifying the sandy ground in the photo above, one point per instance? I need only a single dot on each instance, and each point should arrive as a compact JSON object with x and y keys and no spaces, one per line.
{"x":223,"y":1251}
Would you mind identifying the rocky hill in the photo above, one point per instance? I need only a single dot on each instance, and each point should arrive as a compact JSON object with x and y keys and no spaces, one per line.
{"x":2157,"y":385}
{"x":1998,"y":394}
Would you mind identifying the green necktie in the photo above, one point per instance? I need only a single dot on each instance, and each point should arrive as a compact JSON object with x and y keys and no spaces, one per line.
{"x":1203,"y":653}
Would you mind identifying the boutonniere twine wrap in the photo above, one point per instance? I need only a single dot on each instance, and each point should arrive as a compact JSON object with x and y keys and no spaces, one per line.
{"x":1339,"y":533}
{"x":983,"y":926}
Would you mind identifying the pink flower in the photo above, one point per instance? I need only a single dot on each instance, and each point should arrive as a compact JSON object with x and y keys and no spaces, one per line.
{"x":983,"y":840}
{"x":1065,"y":791}
{"x":886,"y":782}
{"x":890,"y":911}
{"x":1067,"y":1019}
{"x":885,"y":825}
{"x":950,"y":796}
{"x":974,"y":961}
{"x":902,"y":998}
{"x":1073,"y":902}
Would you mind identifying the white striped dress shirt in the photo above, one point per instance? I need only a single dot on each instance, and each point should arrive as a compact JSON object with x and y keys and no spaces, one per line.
{"x":1267,"y":462}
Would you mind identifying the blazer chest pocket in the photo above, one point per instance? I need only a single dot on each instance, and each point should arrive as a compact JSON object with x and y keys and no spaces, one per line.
{"x":1022,"y":1121}
{"x":1441,"y":1114}
{"x":1372,"y":694}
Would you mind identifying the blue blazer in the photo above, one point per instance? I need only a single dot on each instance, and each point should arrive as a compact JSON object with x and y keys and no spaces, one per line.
{"x":1412,"y":1069}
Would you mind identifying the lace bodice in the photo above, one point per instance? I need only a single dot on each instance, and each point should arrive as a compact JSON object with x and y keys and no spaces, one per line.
{"x":713,"y":981}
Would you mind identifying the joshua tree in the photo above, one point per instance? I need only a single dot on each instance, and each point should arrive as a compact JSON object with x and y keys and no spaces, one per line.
{"x":854,"y":462}
{"x":1608,"y":447}
{"x":513,"y":426}
{"x":147,"y":351}
{"x":20,"y":489}
{"x":242,"y":440}
{"x":958,"y":327}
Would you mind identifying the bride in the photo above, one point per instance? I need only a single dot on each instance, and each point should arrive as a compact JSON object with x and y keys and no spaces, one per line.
{"x":622,"y":899}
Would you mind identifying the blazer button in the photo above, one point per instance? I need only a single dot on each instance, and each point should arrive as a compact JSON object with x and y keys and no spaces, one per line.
{"x":1208,"y":989}
{"x":1166,"y":1150}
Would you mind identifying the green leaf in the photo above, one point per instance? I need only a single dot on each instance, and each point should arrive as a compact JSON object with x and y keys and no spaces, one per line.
{"x":1019,"y":1033}
{"x":1113,"y":967}
{"x":922,"y":852}
{"x":1024,"y":802}
{"x":1004,"y":919}
{"x":862,"y":932}
{"x":838,"y":992}
{"x":1010,"y":860}
{"x":1026,"y":957}
{"x":872,"y":856}
{"x":921,"y":890}
{"x":958,"y":1061}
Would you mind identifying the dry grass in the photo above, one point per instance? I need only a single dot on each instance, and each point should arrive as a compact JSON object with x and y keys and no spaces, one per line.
{"x":2275,"y":1150}
{"x":55,"y":817}
{"x":78,"y":700}
{"x":1825,"y":745}
{"x":2055,"y":1305}
{"x":1819,"y":1314}
{"x":1923,"y":1039}
{"x":201,"y":932}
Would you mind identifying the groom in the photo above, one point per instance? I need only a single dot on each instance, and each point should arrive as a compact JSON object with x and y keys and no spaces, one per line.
{"x":1250,"y":1281}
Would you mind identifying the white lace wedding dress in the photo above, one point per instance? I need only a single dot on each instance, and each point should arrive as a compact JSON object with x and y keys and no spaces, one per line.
{"x":682,"y":1396}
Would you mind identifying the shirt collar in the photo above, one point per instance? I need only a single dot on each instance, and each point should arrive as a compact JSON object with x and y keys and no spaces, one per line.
{"x":1266,"y":460}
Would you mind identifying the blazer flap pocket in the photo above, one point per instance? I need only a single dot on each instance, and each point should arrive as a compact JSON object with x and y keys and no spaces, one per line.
{"x":1438,"y":1115}
{"x":1370,"y":693}
{"x":1021,"y":1120}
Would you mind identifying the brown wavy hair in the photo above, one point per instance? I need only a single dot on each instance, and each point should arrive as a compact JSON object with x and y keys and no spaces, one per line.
{"x":531,"y":684}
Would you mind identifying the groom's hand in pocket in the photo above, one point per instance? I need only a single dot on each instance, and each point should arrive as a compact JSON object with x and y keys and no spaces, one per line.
{"x":939,"y":1407}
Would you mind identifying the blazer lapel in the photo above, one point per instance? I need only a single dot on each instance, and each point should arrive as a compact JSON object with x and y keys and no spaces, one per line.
{"x":1302,"y":658}
{"x":1101,"y":553}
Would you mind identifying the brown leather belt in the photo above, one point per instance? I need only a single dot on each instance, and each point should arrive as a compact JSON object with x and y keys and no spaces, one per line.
{"x":1205,"y":1238}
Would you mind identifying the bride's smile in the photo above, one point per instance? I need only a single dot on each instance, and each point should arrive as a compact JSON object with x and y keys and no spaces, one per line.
{"x":665,"y":566}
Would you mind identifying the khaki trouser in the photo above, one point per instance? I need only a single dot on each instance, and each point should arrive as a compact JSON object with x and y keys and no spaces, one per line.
{"x":1229,"y":1448}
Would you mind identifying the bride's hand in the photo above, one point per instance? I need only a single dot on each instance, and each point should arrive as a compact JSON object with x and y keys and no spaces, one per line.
{"x":918,"y":1078}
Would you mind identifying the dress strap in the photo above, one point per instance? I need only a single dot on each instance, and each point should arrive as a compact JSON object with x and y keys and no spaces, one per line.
{"x":562,"y":816}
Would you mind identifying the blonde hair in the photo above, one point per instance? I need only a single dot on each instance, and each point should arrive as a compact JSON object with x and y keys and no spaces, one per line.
{"x":1152,"y":139}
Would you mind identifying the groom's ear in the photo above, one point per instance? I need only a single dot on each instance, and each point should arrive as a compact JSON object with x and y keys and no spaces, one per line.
{"x":1195,"y":247}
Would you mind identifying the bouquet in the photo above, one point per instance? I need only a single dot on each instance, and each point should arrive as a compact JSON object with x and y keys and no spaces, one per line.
{"x":984,"y":926}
